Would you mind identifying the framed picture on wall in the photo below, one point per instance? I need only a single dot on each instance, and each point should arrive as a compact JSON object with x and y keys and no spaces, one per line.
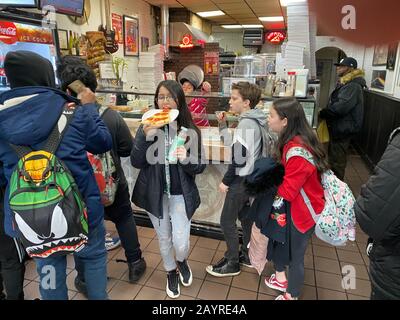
{"x":380,"y":55}
{"x":392,"y":54}
{"x":378,"y":79}
{"x":63,"y":39}
{"x":131,"y":36}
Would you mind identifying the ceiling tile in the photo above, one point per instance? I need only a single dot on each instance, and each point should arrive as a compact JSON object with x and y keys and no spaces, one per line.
{"x":233,"y":6}
{"x":170,"y":3}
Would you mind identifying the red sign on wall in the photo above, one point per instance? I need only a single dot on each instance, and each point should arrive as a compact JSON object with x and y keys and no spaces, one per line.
{"x":11,"y":33}
{"x":211,"y":63}
{"x":117,"y":26}
{"x":8,"y":32}
{"x":187,"y":41}
{"x":275,"y":37}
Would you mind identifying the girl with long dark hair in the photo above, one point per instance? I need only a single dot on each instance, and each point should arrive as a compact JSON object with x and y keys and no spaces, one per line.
{"x":296,"y":136}
{"x":167,"y":191}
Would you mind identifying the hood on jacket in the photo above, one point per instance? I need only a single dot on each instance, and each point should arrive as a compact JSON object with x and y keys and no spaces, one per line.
{"x":356,"y":75}
{"x":26,"y":68}
{"x":28,"y":114}
{"x":255,"y":114}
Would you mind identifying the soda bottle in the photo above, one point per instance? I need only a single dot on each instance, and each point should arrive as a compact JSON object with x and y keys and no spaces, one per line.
{"x":179,"y":141}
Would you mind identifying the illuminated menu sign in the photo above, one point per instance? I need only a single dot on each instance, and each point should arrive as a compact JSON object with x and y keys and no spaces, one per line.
{"x":275,"y":37}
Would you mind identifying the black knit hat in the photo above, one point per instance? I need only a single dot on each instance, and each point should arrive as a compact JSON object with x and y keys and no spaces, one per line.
{"x":26,"y":68}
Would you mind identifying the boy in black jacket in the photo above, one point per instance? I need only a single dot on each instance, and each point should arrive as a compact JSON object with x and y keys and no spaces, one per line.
{"x":120,"y":212}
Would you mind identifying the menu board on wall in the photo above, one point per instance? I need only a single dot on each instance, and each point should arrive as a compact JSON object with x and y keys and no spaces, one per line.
{"x":211,"y":63}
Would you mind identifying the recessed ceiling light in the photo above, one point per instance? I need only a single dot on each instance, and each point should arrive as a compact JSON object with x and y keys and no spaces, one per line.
{"x":284,"y":3}
{"x":206,"y":14}
{"x":232,"y":26}
{"x":252,"y":26}
{"x":271,"y":19}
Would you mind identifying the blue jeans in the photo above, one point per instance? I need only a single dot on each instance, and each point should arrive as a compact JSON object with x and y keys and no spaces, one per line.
{"x":90,"y":261}
{"x":173,"y":231}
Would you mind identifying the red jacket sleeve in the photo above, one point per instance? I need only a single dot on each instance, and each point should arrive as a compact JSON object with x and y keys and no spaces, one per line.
{"x":297,"y":171}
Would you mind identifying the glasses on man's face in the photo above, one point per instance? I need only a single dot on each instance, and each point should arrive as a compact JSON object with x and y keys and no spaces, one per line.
{"x":165,"y":98}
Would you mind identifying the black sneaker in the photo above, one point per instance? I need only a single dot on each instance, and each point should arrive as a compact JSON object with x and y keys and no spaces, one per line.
{"x":81,"y":286}
{"x":185,"y":274}
{"x":224,"y":268}
{"x":136,"y":270}
{"x":244,"y":260}
{"x":173,"y":284}
{"x":2,"y":296}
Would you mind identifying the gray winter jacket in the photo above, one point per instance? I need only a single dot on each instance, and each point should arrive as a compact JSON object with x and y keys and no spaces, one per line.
{"x":250,"y":142}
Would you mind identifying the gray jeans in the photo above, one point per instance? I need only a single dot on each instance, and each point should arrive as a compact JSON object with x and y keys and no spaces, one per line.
{"x":173,"y":231}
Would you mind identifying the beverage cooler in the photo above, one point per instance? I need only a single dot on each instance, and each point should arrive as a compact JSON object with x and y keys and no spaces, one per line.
{"x":24,"y":31}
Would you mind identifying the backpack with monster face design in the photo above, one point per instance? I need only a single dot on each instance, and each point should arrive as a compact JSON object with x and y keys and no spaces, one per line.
{"x":48,"y":209}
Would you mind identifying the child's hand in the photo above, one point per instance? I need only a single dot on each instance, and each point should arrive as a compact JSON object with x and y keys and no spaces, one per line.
{"x":181,"y":153}
{"x":221,"y":116}
{"x":223,"y":188}
{"x":206,"y":87}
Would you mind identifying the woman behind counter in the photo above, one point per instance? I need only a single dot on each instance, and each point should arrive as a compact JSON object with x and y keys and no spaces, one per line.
{"x":197,"y":106}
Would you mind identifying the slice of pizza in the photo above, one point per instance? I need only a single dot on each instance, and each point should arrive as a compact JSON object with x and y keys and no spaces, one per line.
{"x":158,"y":119}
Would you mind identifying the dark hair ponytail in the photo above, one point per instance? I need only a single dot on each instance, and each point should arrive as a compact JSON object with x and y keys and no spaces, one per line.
{"x":297,"y":125}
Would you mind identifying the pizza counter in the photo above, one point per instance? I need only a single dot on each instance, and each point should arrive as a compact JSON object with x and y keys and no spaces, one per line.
{"x":206,"y":219}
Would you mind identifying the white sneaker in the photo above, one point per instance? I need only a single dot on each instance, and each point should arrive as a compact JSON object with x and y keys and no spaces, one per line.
{"x":351,"y":234}
{"x":112,"y":243}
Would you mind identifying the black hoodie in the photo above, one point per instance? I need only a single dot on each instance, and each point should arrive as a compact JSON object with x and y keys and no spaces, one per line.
{"x":26,"y":68}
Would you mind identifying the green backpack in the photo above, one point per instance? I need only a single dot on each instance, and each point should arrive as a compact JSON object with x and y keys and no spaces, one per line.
{"x":47,"y":207}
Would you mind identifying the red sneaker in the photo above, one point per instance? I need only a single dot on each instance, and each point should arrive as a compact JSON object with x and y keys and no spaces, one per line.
{"x":273,"y":283}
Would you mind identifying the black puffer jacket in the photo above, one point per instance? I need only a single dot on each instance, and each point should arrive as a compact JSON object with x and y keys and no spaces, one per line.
{"x":378,"y":213}
{"x":149,"y":188}
{"x":345,"y":111}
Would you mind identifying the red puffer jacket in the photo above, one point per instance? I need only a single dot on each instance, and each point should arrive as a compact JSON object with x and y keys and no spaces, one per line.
{"x":299,"y":173}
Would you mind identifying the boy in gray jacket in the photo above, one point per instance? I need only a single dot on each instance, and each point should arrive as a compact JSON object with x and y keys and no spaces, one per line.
{"x":251,"y":140}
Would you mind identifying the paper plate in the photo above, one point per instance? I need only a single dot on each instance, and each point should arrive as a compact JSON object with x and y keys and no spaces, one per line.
{"x":173,"y":114}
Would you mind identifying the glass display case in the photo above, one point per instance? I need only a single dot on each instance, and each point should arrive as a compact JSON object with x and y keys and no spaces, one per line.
{"x":250,"y":66}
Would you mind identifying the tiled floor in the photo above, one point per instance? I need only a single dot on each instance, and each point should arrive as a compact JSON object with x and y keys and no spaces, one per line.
{"x":323,"y":268}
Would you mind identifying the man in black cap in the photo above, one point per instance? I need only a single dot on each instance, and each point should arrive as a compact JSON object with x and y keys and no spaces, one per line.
{"x":344,"y":113}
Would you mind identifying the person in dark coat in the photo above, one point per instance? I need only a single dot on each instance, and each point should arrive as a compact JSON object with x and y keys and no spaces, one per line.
{"x":270,"y":216}
{"x":168,"y":191}
{"x":12,"y":267}
{"x":344,"y":113}
{"x":28,"y":113}
{"x":378,"y":213}
{"x":73,"y":68}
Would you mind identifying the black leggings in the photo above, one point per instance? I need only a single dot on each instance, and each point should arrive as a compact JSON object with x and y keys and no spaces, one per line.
{"x":11,"y":269}
{"x":120,"y":212}
{"x":298,"y":246}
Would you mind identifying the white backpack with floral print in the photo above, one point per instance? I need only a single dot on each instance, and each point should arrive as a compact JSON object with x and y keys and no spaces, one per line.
{"x":337,"y":220}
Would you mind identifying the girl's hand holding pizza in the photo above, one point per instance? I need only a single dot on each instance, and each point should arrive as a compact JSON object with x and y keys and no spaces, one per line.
{"x":151,"y":129}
